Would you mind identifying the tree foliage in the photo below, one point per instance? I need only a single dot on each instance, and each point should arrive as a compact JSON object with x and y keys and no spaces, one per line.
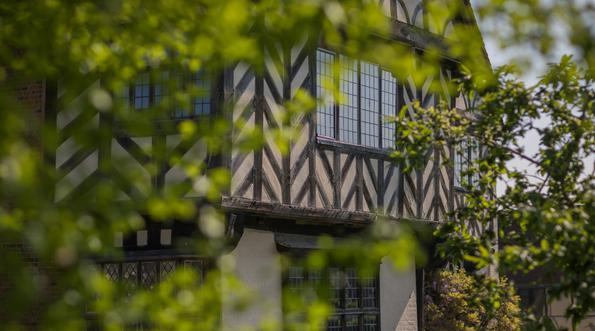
{"x":71,"y":44}
{"x":544,"y":220}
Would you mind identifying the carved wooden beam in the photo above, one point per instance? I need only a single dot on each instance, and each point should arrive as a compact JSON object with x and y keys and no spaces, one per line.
{"x":418,"y":37}
{"x":307,"y":214}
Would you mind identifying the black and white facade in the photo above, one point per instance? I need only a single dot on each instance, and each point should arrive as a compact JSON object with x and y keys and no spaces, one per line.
{"x":336,"y":178}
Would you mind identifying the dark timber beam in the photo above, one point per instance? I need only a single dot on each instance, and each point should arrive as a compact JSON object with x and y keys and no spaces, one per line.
{"x":308,"y":214}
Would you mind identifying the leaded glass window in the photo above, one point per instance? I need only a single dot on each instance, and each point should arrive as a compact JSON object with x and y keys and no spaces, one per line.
{"x":368,"y":99}
{"x":466,"y":155}
{"x":354,"y":296}
{"x":146,"y":273}
{"x":150,"y":89}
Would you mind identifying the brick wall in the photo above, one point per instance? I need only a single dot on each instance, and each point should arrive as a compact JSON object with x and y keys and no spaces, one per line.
{"x":29,"y":95}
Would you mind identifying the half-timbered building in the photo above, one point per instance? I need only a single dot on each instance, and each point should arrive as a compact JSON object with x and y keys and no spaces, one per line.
{"x":336,"y":177}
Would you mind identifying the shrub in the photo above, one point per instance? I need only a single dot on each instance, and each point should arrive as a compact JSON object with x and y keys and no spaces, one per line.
{"x":456,"y":300}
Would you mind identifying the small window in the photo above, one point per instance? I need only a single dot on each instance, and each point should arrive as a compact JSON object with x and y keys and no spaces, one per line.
{"x":149,"y":89}
{"x":466,"y":155}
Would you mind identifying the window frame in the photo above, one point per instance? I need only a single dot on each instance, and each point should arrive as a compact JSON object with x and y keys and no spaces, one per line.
{"x":336,"y":126}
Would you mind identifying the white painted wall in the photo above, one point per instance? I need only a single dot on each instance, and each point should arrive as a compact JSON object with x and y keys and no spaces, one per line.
{"x":257,"y":265}
{"x":398,"y":310}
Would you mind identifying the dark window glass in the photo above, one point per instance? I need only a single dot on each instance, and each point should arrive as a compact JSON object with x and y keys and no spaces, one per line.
{"x":351,"y":289}
{"x":334,"y":323}
{"x":325,"y":110}
{"x":150,"y":89}
{"x":142,"y":89}
{"x":369,"y":293}
{"x":201,"y":104}
{"x":370,"y":322}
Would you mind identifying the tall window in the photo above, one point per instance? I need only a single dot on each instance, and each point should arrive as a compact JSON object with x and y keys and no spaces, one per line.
{"x":368,"y":97}
{"x":466,"y":154}
{"x":355,"y":297}
{"x":149,"y":89}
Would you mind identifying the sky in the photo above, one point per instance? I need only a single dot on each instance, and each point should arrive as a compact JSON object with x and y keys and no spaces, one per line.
{"x":499,"y":57}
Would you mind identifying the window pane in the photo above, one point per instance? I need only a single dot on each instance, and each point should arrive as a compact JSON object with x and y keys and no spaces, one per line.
{"x":112,"y":271}
{"x":351,"y":289}
{"x":348,"y":130}
{"x":295,"y":279}
{"x":141,"y":90}
{"x":324,"y":75}
{"x":148,"y":275}
{"x":197,"y":266}
{"x":460,"y":164}
{"x":166,"y":268}
{"x":352,"y":323}
{"x":389,"y":108}
{"x":370,"y":322}
{"x":201,"y":104}
{"x":130,"y":277}
{"x":336,"y":280}
{"x":160,"y":87}
{"x":368,"y":292}
{"x":334,"y":323}
{"x":473,"y":157}
{"x":124,"y":96}
{"x":369,"y":104}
